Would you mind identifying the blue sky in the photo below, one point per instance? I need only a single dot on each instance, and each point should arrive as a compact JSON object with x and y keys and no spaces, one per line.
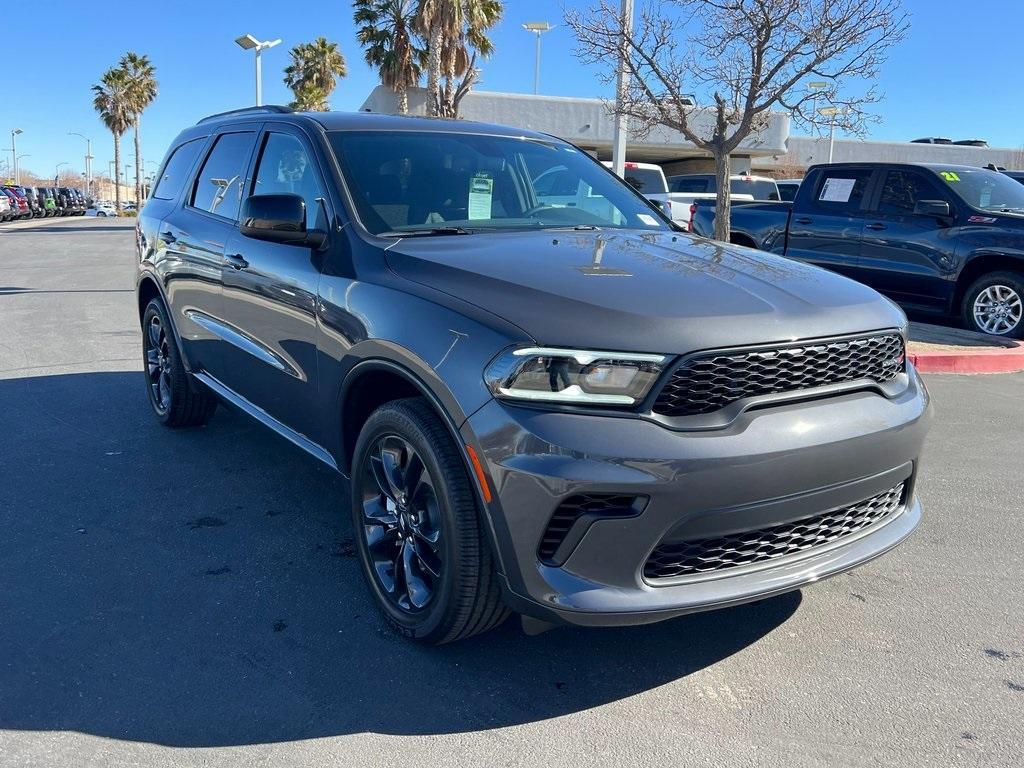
{"x":953,"y":76}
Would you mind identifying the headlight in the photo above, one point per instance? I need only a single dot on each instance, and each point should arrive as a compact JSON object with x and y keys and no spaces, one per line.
{"x":576,"y":376}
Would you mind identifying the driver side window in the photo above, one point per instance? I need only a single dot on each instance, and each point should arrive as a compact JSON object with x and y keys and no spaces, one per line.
{"x":902,"y":192}
{"x":285,"y":168}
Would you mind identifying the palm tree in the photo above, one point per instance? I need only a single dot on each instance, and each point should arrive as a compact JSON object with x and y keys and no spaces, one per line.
{"x":111,"y":98}
{"x":386,"y":32}
{"x":456,"y":30}
{"x":440,"y":22}
{"x":141,"y":93}
{"x":313,"y":73}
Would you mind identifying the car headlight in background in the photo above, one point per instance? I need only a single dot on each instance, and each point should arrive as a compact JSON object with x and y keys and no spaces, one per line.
{"x":576,"y":376}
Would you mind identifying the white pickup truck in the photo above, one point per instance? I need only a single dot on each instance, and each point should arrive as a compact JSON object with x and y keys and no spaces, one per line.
{"x":691,"y":187}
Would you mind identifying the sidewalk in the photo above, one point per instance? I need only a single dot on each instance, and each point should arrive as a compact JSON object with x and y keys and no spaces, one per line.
{"x":938,"y":349}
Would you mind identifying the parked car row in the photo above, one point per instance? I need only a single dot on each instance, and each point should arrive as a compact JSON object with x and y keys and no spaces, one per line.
{"x":40,"y":202}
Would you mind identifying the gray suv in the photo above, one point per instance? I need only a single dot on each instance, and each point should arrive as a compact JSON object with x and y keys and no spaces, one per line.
{"x":559,"y":406}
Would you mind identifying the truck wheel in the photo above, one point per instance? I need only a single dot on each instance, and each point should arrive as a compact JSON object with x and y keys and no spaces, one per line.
{"x":994,"y":304}
{"x":418,"y":528}
{"x":176,"y":402}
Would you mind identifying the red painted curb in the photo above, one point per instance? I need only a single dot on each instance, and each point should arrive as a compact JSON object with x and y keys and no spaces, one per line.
{"x":969,"y":360}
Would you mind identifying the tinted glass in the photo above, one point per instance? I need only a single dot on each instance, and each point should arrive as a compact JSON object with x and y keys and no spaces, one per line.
{"x":788,"y":191}
{"x":285,"y":168}
{"x":902,"y":192}
{"x":649,"y":181}
{"x":694,"y":185}
{"x":406,"y":181}
{"x":757,"y":188}
{"x":219,"y":186}
{"x":842,"y":190}
{"x":980,"y":188}
{"x":173,"y":178}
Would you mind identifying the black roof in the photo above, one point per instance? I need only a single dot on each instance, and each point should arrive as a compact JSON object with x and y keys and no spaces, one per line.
{"x":366,"y":121}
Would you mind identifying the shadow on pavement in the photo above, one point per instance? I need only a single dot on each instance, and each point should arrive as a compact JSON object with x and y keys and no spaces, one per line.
{"x":198,"y":588}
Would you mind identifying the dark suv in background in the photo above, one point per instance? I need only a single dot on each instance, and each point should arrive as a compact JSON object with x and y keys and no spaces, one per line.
{"x":577,"y":413}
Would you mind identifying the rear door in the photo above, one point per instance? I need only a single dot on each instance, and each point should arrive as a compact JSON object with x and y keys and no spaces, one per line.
{"x":828,"y":219}
{"x":195,"y":236}
{"x":908,"y":256}
{"x":270,"y":291}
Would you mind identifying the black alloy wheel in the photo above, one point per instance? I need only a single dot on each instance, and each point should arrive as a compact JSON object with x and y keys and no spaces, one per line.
{"x":418,"y":527}
{"x":158,"y":364}
{"x":176,"y":401}
{"x":402,"y":524}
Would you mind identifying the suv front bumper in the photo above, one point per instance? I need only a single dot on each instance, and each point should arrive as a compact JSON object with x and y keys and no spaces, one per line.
{"x":770,"y":467}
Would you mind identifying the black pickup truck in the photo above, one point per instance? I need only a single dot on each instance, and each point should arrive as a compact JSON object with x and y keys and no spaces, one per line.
{"x":946,"y":239}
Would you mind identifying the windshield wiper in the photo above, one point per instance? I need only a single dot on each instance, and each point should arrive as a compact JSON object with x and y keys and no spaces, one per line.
{"x":427,"y":232}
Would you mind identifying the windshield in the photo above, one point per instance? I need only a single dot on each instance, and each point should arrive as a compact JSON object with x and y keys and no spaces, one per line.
{"x":442,"y":183}
{"x":985,"y":189}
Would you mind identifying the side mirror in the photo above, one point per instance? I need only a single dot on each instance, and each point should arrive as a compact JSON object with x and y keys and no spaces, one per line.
{"x":278,"y":219}
{"x":936,"y":209}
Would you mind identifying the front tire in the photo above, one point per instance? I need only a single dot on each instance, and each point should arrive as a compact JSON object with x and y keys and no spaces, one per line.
{"x":994,"y":305}
{"x":419,"y":530}
{"x":176,"y":402}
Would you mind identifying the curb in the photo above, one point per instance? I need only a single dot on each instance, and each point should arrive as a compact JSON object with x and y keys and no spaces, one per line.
{"x":968,"y":361}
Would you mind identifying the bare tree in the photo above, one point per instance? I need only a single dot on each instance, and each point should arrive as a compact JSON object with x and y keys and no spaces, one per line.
{"x":747,"y":57}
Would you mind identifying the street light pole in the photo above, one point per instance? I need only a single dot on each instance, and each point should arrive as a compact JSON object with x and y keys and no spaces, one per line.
{"x":250,"y":43}
{"x":621,"y":86}
{"x":831,"y":112}
{"x":538,"y":28}
{"x":14,"y":155}
{"x":56,"y":172}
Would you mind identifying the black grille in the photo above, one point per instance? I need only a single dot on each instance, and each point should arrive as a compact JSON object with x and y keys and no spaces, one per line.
{"x":687,"y":558}
{"x":573,"y":508}
{"x":706,"y":383}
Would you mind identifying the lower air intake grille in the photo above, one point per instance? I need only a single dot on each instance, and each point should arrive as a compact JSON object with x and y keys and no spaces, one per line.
{"x":687,"y":558}
{"x":575,"y":507}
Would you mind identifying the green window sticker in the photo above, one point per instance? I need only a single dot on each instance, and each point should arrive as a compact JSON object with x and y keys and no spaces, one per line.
{"x":949,"y":175}
{"x":481,"y":190}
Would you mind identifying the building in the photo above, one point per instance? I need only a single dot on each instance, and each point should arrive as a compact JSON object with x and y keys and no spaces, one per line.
{"x":589,"y":124}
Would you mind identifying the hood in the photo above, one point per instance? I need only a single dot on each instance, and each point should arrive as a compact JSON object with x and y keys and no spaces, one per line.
{"x":669,"y":293}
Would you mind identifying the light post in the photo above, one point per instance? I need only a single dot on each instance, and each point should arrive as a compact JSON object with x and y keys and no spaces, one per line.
{"x":250,"y":43}
{"x":14,"y":154}
{"x":831,"y":112}
{"x":56,"y":173}
{"x":88,"y":160}
{"x":538,"y":28}
{"x":621,"y":86}
{"x":17,"y":167}
{"x":126,"y":167}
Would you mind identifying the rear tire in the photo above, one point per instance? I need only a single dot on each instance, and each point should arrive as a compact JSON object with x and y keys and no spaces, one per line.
{"x":175,"y":399}
{"x":994,"y":305}
{"x":419,"y":530}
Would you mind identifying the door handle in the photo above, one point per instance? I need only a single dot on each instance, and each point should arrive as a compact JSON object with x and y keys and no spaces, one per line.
{"x":803,"y":220}
{"x":877,"y":227}
{"x":236,"y":260}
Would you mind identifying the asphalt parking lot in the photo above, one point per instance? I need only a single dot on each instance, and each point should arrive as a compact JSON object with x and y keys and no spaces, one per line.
{"x":191,"y":598}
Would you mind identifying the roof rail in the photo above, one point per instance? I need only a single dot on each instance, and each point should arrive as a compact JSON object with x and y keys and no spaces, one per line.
{"x":266,"y":108}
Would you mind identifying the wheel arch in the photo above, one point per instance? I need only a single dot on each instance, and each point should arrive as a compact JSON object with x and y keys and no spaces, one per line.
{"x":981,"y":265}
{"x":148,"y":288}
{"x":377,"y":380}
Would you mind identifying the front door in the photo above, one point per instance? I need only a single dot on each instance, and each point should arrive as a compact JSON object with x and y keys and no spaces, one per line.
{"x":908,"y":256}
{"x":270,"y":292}
{"x":827,"y":230}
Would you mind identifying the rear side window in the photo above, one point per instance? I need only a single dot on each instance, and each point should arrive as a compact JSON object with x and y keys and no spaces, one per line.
{"x":176,"y":168}
{"x":841,"y":190}
{"x":756,"y":188}
{"x":648,"y":181}
{"x":219,"y":187}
